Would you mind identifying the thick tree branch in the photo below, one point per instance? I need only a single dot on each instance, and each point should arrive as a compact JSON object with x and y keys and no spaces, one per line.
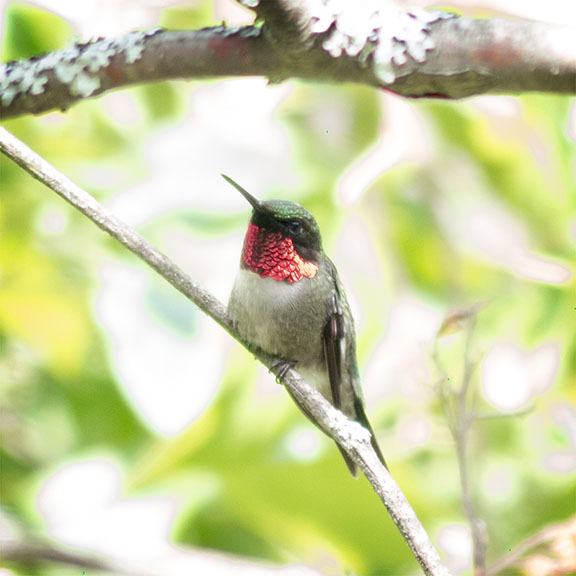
{"x":415,"y":54}
{"x":350,"y":435}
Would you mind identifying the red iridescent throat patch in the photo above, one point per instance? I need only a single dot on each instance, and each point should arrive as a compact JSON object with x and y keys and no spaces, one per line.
{"x":271,"y":255}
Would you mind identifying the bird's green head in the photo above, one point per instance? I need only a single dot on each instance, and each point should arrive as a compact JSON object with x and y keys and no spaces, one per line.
{"x":283,"y":220}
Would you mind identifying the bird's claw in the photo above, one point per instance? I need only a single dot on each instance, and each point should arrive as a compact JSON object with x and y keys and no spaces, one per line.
{"x":280,"y":368}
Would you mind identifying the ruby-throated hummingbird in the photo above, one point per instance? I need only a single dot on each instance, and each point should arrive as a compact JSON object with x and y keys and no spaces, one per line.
{"x":288,"y":302}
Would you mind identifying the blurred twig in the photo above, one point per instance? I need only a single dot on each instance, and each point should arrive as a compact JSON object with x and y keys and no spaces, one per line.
{"x":500,"y":415}
{"x":33,"y":557}
{"x":560,"y":541}
{"x":455,"y":402}
{"x":350,"y":435}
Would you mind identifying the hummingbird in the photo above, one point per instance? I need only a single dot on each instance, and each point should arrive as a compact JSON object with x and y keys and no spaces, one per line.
{"x":288,"y":303}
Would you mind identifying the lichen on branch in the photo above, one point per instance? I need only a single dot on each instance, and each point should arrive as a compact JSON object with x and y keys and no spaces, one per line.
{"x":78,"y":67}
{"x":379,"y":35}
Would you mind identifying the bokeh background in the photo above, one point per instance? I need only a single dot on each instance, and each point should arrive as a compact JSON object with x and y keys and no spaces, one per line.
{"x":133,"y":428}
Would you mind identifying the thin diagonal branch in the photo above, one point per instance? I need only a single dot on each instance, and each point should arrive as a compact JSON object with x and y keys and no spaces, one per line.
{"x":350,"y":435}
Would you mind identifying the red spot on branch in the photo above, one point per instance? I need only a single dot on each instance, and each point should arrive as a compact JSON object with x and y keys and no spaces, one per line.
{"x":116,"y":74}
{"x":496,"y":55}
{"x":230,"y":48}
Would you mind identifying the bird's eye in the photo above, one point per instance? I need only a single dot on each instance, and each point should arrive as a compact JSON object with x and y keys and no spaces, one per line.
{"x":294,"y":227}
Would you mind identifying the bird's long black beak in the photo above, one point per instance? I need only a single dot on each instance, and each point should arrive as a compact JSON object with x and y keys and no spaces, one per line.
{"x":255,"y":203}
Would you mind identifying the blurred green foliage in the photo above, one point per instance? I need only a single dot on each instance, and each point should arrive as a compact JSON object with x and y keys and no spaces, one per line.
{"x":239,"y":487}
{"x":24,"y":34}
